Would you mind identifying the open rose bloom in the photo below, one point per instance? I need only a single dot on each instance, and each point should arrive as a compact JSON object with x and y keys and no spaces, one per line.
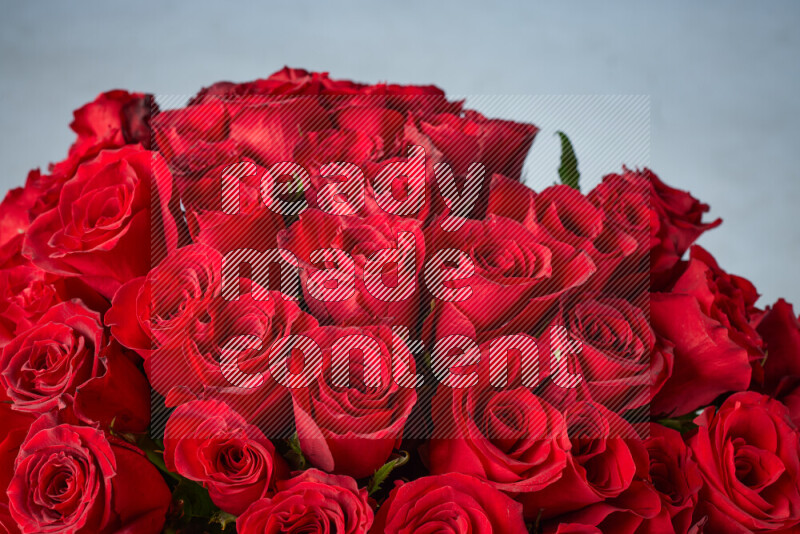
{"x":309,"y":305}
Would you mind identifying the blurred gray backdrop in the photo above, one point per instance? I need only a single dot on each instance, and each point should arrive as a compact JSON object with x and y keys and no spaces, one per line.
{"x":723,"y":118}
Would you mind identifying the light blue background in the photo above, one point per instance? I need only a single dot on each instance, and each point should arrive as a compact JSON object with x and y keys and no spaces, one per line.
{"x":722,"y":78}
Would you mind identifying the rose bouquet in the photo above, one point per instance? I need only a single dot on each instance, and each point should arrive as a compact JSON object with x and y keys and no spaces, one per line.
{"x":307,"y":305}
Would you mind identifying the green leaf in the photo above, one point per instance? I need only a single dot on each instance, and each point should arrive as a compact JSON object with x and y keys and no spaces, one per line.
{"x":568,"y":171}
{"x":295,"y":455}
{"x":154,"y":450}
{"x":127,"y":436}
{"x":193,"y":500}
{"x":190,"y":501}
{"x":297,"y":188}
{"x":385,"y":470}
{"x":682,"y":424}
{"x":535,"y":526}
{"x":158,"y":460}
{"x":223,"y":519}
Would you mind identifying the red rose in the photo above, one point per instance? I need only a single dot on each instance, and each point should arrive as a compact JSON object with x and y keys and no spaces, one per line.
{"x":519,"y":273}
{"x":747,"y":452}
{"x":606,"y":459}
{"x":299,"y":82}
{"x":112,"y":120}
{"x":680,"y":218}
{"x":459,"y":140}
{"x":706,"y":361}
{"x":373,"y":138}
{"x":15,"y":427}
{"x":420,"y":99}
{"x":510,"y":438}
{"x":512,"y":199}
{"x":676,"y":478}
{"x":103,"y":221}
{"x":352,"y":429}
{"x":191,"y":365}
{"x":675,"y":221}
{"x":356,"y":146}
{"x":170,"y":303}
{"x":293,"y":113}
{"x":27,"y":292}
{"x":706,"y":319}
{"x":209,"y":443}
{"x":285,"y":117}
{"x":312,"y":502}
{"x":287,"y":81}
{"x":66,"y":362}
{"x":790,"y":396}
{"x":448,"y":503}
{"x":194,"y":138}
{"x":727,"y":298}
{"x":76,"y":479}
{"x":571,"y":218}
{"x":268,"y":130}
{"x":391,"y":292}
{"x":630,"y":513}
{"x":270,"y":120}
{"x":15,"y":218}
{"x":780,"y":330}
{"x":625,"y":202}
{"x":618,"y":361}
{"x":500,"y":145}
{"x":253,"y":225}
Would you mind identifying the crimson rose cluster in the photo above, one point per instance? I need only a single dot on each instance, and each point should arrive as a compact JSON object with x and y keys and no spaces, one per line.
{"x":387,"y":275}
{"x":619,"y":379}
